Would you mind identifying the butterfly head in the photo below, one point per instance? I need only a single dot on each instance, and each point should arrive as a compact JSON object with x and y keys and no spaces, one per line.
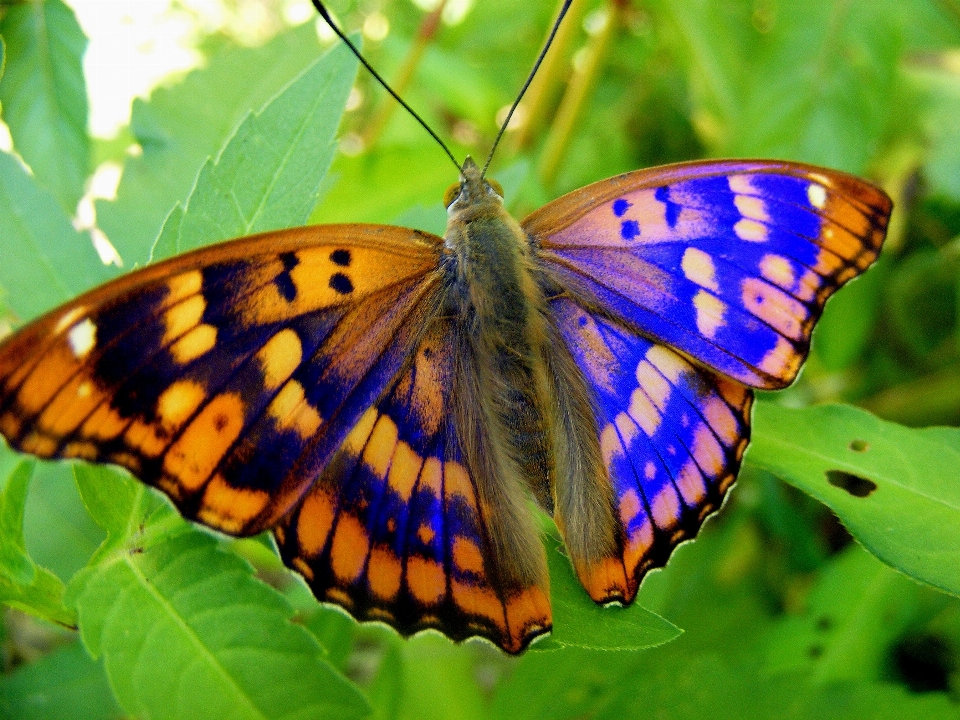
{"x":472,"y":191}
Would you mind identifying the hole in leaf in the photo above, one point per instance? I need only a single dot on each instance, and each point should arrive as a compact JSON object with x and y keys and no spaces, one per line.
{"x":859,"y":445}
{"x":853,"y":484}
{"x":924,"y":663}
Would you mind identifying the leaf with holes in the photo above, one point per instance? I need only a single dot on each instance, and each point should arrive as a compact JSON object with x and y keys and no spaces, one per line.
{"x":896,"y":489}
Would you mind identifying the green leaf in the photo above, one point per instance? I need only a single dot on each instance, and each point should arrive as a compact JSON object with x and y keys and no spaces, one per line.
{"x":44,"y":95}
{"x":67,"y":683}
{"x":15,"y":564}
{"x":45,"y":261}
{"x":692,"y":687}
{"x":187,"y":632}
{"x":117,"y":502}
{"x":181,"y":126}
{"x":569,"y":683}
{"x":59,"y":532}
{"x":24,"y":585}
{"x":269,"y":173}
{"x":894,"y":488}
{"x":380,"y":186}
{"x":820,"y":85}
{"x":450,"y":691}
{"x":580,"y":622}
{"x":844,"y":331}
{"x":856,"y":610}
{"x":939,"y":88}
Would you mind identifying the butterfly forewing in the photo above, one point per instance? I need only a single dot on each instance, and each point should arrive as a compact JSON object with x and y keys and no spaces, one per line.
{"x":728,"y":262}
{"x":227,"y":376}
{"x":394,"y":529}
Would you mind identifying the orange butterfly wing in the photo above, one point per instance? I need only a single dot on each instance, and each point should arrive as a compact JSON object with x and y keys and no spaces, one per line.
{"x":397,"y":529}
{"x":227,"y":376}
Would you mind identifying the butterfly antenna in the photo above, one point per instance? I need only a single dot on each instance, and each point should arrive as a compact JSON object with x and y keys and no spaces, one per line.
{"x":533,"y":72}
{"x":363,"y":61}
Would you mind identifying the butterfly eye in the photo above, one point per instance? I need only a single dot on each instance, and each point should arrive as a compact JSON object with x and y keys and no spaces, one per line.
{"x":497,"y":187}
{"x":451,"y":194}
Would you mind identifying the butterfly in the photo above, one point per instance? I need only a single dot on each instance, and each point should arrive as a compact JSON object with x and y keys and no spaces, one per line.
{"x":387,"y":402}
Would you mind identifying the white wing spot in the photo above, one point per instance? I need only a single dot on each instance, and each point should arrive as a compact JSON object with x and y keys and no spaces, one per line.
{"x":698,"y":267}
{"x":82,"y":338}
{"x":710,"y":311}
{"x":817,"y":195}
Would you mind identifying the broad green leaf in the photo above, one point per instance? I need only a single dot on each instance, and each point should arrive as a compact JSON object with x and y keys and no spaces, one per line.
{"x":183,"y":125}
{"x":580,"y":622}
{"x":186,"y":632}
{"x":168,"y":241}
{"x":67,"y":683}
{"x":15,"y":564}
{"x":59,"y":532}
{"x":24,"y":585}
{"x":857,"y":608}
{"x":44,"y":96}
{"x":896,"y":489}
{"x":391,"y":179}
{"x":269,"y":173}
{"x":117,"y":502}
{"x":45,"y":261}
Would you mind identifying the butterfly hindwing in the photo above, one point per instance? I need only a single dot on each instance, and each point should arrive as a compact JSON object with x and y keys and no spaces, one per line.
{"x":729,"y":262}
{"x":395,"y":528}
{"x":671,"y":433}
{"x":226,"y":376}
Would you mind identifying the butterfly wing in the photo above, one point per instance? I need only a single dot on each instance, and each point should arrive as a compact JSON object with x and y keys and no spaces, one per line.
{"x":728,"y":262}
{"x":397,"y":529}
{"x":672,"y":289}
{"x":226,"y":377}
{"x":672,"y":435}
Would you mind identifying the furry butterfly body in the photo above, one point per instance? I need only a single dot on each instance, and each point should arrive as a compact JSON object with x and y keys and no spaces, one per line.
{"x":387,"y":401}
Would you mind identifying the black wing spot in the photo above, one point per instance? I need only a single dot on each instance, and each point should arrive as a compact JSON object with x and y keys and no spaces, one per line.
{"x":341,"y":283}
{"x":340,"y":257}
{"x":285,"y":285}
{"x":859,"y":445}
{"x":853,"y":484}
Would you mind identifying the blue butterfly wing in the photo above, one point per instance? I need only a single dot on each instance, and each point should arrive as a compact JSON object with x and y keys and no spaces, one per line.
{"x":672,"y":435}
{"x":396,"y":528}
{"x":728,"y":262}
{"x":675,"y":290}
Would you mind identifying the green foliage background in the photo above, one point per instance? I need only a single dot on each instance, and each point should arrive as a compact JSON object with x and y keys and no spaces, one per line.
{"x":804,"y":597}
